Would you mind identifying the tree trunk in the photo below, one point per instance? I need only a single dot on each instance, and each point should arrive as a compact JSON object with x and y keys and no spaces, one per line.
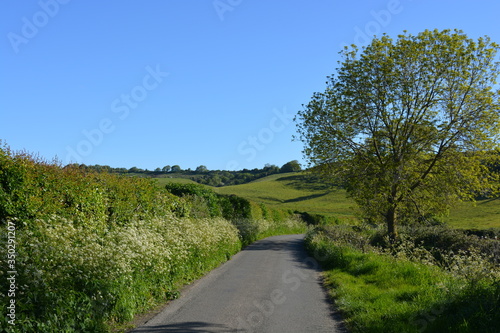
{"x":391,"y":224}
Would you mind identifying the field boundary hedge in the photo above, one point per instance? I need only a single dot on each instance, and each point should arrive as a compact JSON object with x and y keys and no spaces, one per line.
{"x":95,"y":249}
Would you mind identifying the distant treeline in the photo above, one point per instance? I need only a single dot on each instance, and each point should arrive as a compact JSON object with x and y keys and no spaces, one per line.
{"x":201,"y":174}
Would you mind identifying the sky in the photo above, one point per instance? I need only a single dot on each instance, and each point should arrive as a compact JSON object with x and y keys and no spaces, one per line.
{"x":152,"y":83}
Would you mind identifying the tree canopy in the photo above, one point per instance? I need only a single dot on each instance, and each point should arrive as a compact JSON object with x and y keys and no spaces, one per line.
{"x":292,"y":166}
{"x":175,"y":168}
{"x":202,"y":169}
{"x":405,"y":124}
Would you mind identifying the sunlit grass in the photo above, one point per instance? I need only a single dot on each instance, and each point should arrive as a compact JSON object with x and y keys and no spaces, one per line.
{"x":379,"y":293}
{"x":165,"y":180}
{"x":293,"y":191}
{"x":481,"y":215}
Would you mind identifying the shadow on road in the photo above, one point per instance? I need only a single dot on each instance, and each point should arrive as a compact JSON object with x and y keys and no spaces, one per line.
{"x":272,"y":244}
{"x":186,"y":327}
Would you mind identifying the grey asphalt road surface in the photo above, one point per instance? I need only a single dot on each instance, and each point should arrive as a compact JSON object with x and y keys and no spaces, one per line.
{"x":271,"y":286}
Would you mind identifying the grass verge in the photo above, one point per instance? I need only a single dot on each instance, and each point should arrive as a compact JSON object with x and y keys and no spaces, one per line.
{"x":378,"y":292}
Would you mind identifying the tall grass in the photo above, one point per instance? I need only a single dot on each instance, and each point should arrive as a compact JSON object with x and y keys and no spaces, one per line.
{"x":396,"y":289}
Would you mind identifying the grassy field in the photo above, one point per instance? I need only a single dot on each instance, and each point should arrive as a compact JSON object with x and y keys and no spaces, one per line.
{"x":164,"y":180}
{"x":296,"y":191}
{"x":482,"y":215}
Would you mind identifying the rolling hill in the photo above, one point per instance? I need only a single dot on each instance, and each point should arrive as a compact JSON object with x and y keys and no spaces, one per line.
{"x":295,"y":191}
{"x":298,"y":191}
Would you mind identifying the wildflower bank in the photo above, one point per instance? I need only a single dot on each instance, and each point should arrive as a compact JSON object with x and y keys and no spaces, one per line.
{"x":73,"y":278}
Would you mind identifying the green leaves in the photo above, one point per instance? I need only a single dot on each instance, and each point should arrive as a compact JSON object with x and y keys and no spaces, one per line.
{"x":31,"y":188}
{"x":404,"y":119}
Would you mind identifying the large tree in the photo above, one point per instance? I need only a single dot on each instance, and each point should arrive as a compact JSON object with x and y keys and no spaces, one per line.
{"x":404,"y":123}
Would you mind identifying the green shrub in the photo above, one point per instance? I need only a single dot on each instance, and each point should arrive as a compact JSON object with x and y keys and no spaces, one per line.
{"x":254,"y":221}
{"x":235,"y":207}
{"x":208,"y":199}
{"x":264,"y":211}
{"x":218,"y":205}
{"x":440,"y":239}
{"x":31,"y":188}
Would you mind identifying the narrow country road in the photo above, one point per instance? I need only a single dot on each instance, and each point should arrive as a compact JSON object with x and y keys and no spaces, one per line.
{"x":271,"y":286}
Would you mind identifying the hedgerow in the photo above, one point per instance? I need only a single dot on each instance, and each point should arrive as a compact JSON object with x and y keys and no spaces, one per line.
{"x":254,"y":221}
{"x":31,"y":188}
{"x":95,"y":249}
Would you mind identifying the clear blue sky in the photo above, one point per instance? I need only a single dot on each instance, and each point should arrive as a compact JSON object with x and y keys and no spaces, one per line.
{"x":189,"y":82}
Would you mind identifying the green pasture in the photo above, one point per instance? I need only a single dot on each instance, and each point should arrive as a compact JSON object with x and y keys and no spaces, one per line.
{"x":164,"y":180}
{"x":482,"y":214}
{"x":298,"y":191}
{"x":295,"y":191}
